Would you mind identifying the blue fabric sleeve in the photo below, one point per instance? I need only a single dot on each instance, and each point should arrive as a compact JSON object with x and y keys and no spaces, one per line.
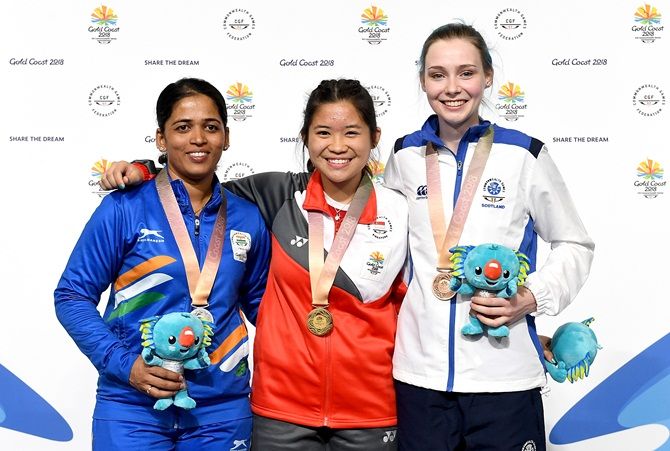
{"x":93,"y":265}
{"x":256,"y":273}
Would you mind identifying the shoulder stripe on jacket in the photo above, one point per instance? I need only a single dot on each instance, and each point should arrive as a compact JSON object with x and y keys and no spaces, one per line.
{"x":535,"y":147}
{"x":399,"y":143}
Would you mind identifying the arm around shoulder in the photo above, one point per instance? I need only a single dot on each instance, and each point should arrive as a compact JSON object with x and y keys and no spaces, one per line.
{"x":256,"y":272}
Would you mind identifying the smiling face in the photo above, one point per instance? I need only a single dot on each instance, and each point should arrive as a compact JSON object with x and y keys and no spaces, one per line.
{"x":339,"y":144}
{"x":454,"y":80}
{"x":195,"y":137}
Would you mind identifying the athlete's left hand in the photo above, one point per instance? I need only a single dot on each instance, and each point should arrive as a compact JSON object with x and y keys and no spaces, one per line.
{"x":495,"y":312}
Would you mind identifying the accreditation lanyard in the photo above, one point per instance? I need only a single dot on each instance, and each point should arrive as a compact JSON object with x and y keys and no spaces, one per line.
{"x":322,"y":274}
{"x":445,"y":240}
{"x":200,"y":283}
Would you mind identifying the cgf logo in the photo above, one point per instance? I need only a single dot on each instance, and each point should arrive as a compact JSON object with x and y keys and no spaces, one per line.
{"x":389,"y":436}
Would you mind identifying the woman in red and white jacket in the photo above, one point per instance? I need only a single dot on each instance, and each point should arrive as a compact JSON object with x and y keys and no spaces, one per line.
{"x":334,"y":391}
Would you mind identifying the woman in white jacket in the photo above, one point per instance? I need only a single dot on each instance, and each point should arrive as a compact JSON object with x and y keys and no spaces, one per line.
{"x":477,"y":392}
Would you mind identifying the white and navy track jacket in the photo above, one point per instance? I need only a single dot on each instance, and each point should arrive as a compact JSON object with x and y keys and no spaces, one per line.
{"x":521,"y":195}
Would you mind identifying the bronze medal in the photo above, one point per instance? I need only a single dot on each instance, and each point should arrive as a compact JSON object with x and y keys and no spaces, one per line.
{"x":203,"y":314}
{"x":319,"y":321}
{"x":441,"y":288}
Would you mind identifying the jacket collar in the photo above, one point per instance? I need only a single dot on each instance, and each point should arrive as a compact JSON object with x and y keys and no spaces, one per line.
{"x":315,"y":200}
{"x":184,"y":201}
{"x":430,"y":131}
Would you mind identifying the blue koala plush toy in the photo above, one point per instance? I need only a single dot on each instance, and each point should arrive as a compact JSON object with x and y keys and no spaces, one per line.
{"x":487,"y":270}
{"x":176,"y":341}
{"x":574,"y":346}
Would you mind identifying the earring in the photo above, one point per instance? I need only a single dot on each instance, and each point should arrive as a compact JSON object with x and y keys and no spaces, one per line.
{"x":225,"y":148}
{"x":162,"y":149}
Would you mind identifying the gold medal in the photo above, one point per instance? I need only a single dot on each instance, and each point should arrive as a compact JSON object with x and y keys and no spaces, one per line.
{"x":441,"y":288}
{"x":319,"y":321}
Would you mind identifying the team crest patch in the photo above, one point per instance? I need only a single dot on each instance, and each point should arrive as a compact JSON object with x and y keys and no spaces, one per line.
{"x":381,"y":228}
{"x":529,"y":446}
{"x":494,"y":193}
{"x":240,"y":242}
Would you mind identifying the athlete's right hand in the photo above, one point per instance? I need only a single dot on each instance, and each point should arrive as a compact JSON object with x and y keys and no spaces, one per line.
{"x":154,"y":380}
{"x":121,"y":174}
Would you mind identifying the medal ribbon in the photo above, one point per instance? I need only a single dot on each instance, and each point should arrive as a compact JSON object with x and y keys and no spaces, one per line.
{"x":445,"y":240}
{"x":322,"y":275}
{"x":199,"y":283}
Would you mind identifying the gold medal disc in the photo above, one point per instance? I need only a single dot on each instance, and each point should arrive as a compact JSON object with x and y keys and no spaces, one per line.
{"x":441,"y":288}
{"x":320,"y":321}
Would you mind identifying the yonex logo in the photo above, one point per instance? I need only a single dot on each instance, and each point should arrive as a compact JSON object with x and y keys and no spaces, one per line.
{"x":298,"y":241}
{"x":389,"y":436}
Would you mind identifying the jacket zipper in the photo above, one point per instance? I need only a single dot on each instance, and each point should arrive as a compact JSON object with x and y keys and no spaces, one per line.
{"x":460,"y":158}
{"x":327,"y":383}
{"x":197,"y":226}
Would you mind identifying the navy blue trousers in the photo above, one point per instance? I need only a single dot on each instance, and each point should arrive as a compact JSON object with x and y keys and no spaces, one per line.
{"x":430,"y":420}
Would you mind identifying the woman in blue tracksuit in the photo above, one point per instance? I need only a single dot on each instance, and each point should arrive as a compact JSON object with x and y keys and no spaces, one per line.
{"x":477,"y":393}
{"x":128,"y":243}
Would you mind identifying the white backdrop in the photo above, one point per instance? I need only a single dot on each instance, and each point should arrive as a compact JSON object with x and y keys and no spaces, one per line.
{"x":587,"y":78}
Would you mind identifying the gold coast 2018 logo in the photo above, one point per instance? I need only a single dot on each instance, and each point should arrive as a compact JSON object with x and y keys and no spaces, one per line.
{"x":511,"y":105}
{"x":650,"y":183}
{"x":97,"y":171}
{"x":649,"y":100}
{"x":103,"y":25}
{"x":376,"y":168}
{"x":510,"y":23}
{"x":240,"y":101}
{"x":239,"y":24}
{"x":374,"y":28}
{"x":647,"y":28}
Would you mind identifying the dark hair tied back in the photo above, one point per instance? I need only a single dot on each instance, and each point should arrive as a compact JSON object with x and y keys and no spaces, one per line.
{"x":183,"y":88}
{"x":332,"y":91}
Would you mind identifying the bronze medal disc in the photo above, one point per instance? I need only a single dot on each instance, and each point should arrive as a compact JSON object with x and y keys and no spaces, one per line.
{"x":203,"y":314}
{"x":441,"y":288}
{"x":320,"y":321}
